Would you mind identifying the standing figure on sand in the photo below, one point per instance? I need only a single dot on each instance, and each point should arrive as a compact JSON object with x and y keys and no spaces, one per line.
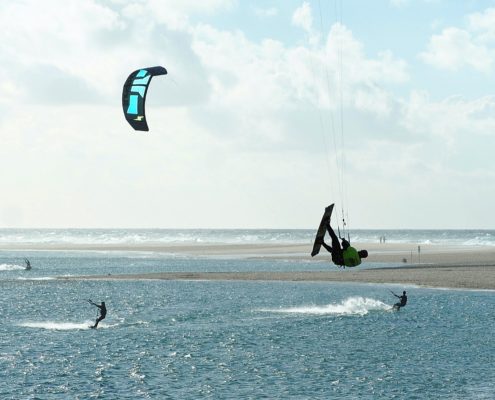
{"x":103,"y":313}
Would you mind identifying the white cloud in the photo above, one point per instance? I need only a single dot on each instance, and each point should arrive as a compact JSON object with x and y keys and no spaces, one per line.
{"x":483,"y":24}
{"x":303,"y":17}
{"x":236,"y":121}
{"x":449,"y":118}
{"x":282,"y":77}
{"x":455,"y":48}
{"x":363,"y":79}
{"x":62,"y":38}
{"x":175,"y":14}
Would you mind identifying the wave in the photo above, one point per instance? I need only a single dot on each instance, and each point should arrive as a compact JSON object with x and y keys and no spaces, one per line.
{"x":152,"y":236}
{"x":349,"y":306}
{"x":11,"y":267}
{"x":63,"y":326}
{"x":468,"y":237}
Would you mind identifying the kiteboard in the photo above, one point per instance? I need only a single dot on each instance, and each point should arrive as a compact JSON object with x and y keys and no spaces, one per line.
{"x":320,"y":234}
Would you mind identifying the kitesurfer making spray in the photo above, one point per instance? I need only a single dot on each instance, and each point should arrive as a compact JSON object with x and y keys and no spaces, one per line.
{"x":103,"y":313}
{"x":345,"y":255}
{"x":402,"y":300}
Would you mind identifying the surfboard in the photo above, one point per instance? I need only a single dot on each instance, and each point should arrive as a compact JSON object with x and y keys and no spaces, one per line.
{"x":320,"y":234}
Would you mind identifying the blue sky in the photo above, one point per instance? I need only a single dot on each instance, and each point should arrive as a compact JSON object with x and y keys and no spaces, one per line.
{"x":263,"y":102}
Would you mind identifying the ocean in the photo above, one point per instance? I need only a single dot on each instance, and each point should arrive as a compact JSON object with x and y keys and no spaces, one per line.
{"x":468,"y":237}
{"x":232,"y":340}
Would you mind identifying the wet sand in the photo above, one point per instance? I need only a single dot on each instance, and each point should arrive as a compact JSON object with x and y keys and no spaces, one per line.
{"x":430,"y":265}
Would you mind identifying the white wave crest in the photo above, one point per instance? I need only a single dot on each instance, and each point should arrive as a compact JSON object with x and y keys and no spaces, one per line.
{"x":349,"y":306}
{"x":11,"y":267}
{"x":62,"y":326}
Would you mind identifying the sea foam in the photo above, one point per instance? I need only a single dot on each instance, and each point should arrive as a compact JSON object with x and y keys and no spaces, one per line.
{"x":349,"y":306}
{"x":11,"y":267}
{"x":61,"y":326}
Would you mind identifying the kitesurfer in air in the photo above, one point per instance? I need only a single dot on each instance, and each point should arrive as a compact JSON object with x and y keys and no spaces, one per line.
{"x":402,"y":300}
{"x":345,"y":255}
{"x":103,"y":313}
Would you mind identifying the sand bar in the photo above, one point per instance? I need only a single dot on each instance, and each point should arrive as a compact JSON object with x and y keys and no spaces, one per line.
{"x":389,"y":253}
{"x":425,"y":265}
{"x":468,"y":277}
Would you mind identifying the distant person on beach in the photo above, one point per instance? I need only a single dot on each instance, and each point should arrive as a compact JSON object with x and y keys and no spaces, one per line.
{"x":28,"y":264}
{"x":402,"y":300}
{"x":345,"y":255}
{"x":103,"y":312}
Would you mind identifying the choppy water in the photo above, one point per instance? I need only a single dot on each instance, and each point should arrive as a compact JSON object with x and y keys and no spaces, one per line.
{"x":233,"y":340}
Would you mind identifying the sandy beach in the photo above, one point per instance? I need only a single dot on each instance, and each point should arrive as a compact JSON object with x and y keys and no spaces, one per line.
{"x":430,"y":265}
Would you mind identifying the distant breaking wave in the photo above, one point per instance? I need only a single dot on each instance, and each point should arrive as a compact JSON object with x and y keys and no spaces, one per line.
{"x":349,"y":306}
{"x":153,"y":236}
{"x":467,"y":237}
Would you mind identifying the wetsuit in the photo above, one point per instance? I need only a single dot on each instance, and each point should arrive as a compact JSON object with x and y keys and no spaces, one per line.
{"x":103,"y":314}
{"x":345,"y":255}
{"x":402,"y":301}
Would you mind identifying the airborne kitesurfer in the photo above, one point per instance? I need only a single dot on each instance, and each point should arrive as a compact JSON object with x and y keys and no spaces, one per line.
{"x":402,"y":300}
{"x":103,"y":312}
{"x":345,"y":255}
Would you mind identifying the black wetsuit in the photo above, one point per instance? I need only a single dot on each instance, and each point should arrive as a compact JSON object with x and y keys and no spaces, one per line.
{"x":402,"y":302}
{"x":103,"y":314}
{"x":336,"y":250}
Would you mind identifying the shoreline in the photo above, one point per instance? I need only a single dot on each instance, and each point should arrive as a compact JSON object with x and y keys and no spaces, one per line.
{"x":446,"y":266}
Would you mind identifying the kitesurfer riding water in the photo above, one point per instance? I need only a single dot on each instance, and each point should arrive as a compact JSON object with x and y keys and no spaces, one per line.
{"x":28,"y":264}
{"x":345,"y":255}
{"x":402,"y":300}
{"x":103,"y":312}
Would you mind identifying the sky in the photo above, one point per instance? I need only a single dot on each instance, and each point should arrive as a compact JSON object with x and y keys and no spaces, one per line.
{"x":270,"y":111}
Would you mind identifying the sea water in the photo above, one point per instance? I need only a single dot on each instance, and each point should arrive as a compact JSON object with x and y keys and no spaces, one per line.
{"x":232,"y":340}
